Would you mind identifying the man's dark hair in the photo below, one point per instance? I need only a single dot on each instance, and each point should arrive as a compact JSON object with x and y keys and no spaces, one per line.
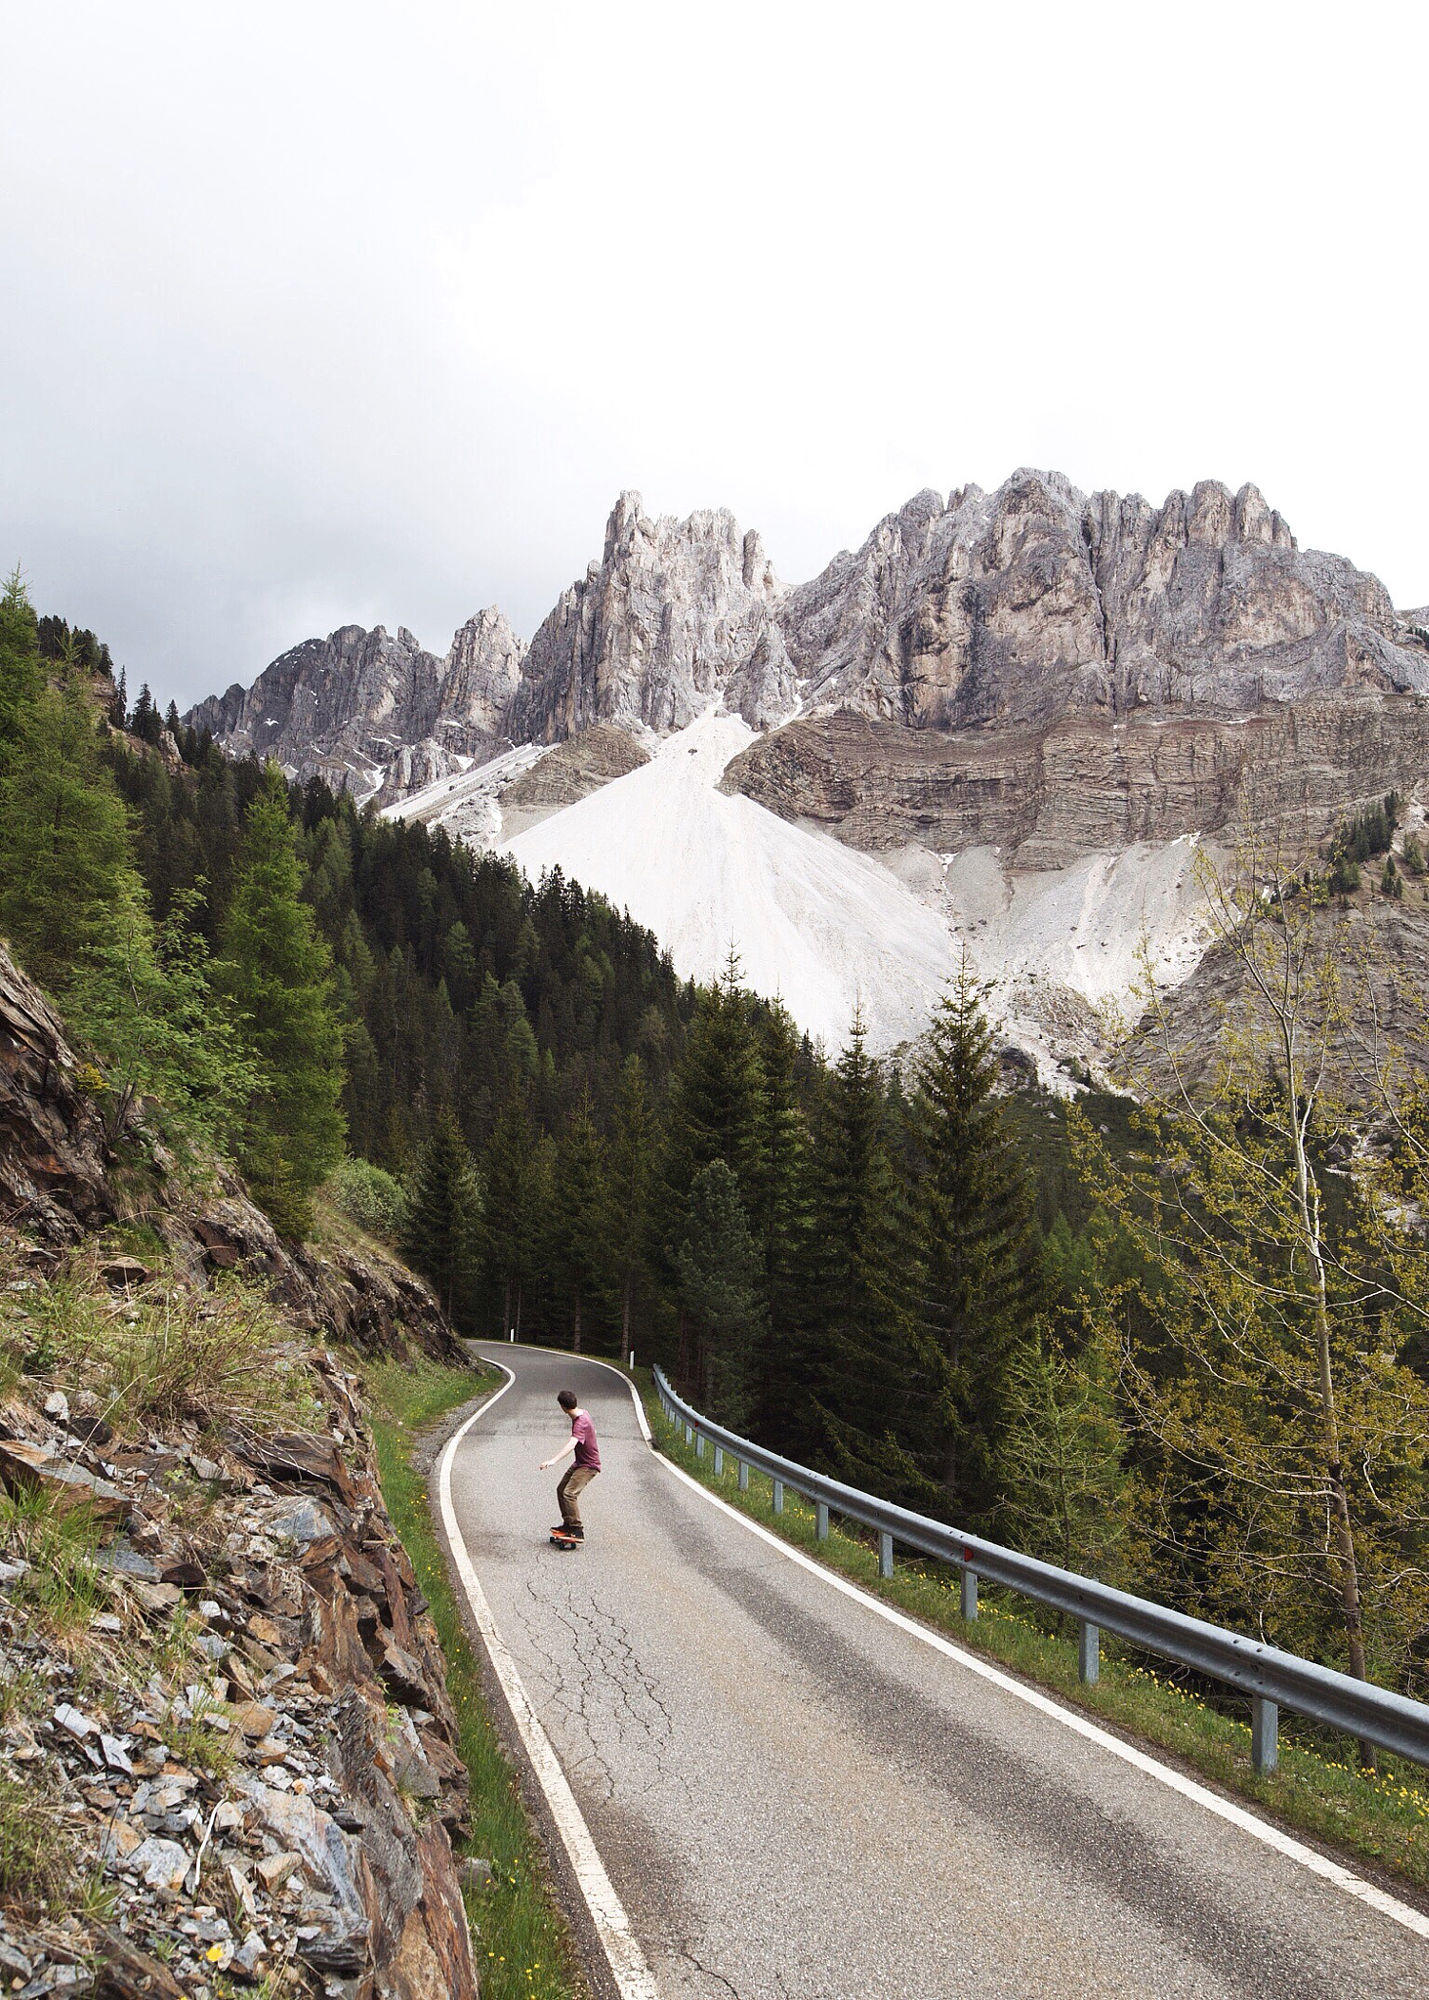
{"x":567,"y":1399}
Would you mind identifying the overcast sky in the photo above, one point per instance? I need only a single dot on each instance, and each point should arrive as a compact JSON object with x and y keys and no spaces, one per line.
{"x":327,"y":313}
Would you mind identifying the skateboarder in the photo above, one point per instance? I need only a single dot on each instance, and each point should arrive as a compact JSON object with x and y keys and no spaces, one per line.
{"x":587,"y":1465}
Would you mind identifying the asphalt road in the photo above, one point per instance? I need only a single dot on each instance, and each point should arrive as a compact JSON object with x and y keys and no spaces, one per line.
{"x":797,"y":1801}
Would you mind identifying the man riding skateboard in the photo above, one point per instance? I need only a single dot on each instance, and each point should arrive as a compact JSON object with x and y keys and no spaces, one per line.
{"x":578,"y":1476}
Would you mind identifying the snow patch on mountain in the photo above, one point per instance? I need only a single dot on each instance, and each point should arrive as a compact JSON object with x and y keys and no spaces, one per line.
{"x":816,"y":924}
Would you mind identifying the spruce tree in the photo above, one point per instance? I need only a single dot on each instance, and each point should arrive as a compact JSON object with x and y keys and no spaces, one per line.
{"x":65,"y":849}
{"x":972,"y":1208}
{"x":627,"y":1186}
{"x":720,"y":1277}
{"x":441,"y":1225}
{"x":863,"y":1376}
{"x":784,"y":1228}
{"x":22,"y":675}
{"x":514,"y":1213}
{"x":715,"y":1114}
{"x":277,"y":972}
{"x":580,"y":1253}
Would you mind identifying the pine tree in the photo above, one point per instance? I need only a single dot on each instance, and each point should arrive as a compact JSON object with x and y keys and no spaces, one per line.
{"x":715,"y":1114}
{"x":863,"y":1377}
{"x":65,"y":851}
{"x":119,"y":705}
{"x":579,"y":1249}
{"x":21,"y":674}
{"x":441,"y":1225}
{"x":979,"y":1271}
{"x":720,"y":1277}
{"x":716,"y":1108}
{"x":627,"y":1187}
{"x":276,"y":971}
{"x":515,"y":1209}
{"x":784,"y":1226}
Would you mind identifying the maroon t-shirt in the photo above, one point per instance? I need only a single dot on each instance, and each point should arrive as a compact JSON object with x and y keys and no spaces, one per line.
{"x":583,"y":1431}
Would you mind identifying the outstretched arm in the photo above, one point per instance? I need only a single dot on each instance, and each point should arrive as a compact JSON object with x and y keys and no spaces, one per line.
{"x":557,"y":1456}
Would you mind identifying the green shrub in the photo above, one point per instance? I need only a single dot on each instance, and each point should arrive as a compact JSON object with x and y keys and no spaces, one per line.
{"x":368,"y":1196}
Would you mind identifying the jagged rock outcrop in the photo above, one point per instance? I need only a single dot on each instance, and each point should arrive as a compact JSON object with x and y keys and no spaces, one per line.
{"x":1017,"y":608}
{"x":374,"y":712}
{"x":675,"y":614}
{"x":1061,"y":677}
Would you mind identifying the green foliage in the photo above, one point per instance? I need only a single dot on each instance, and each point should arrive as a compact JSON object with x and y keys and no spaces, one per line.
{"x":863,"y":1378}
{"x":720,"y":1272}
{"x":145,"y":1000}
{"x":275,"y":971}
{"x":978,"y":1268}
{"x":578,"y":1245}
{"x":64,"y":835}
{"x":1061,"y":1478}
{"x":441,"y":1222}
{"x":369,"y":1196}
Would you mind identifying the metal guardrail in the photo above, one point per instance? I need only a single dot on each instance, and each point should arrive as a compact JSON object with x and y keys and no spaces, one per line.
{"x":1273,"y":1679}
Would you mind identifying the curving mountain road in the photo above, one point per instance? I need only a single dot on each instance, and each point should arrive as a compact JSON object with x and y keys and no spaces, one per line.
{"x":798,"y":1800}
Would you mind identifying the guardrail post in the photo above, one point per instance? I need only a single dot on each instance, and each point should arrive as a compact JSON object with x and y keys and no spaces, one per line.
{"x":1264,"y":1733}
{"x":821,"y":1519}
{"x":778,"y":1496}
{"x":885,"y":1555}
{"x":1089,"y":1652}
{"x":689,"y":1435}
{"x":743,"y":1476}
{"x":699,"y":1444}
{"x":969,"y":1593}
{"x":719,"y":1460}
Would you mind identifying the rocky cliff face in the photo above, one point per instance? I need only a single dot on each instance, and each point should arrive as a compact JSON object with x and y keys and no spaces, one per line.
{"x":988,"y":615}
{"x":243,"y":1733}
{"x":1016,"y":608}
{"x":373,"y":712}
{"x":675,"y":614}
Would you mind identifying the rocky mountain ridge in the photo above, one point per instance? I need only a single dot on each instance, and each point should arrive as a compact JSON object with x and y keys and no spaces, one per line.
{"x":987,"y":613}
{"x":1024,"y":702}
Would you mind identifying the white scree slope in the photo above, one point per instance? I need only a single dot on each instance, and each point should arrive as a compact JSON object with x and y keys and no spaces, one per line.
{"x":815,"y":923}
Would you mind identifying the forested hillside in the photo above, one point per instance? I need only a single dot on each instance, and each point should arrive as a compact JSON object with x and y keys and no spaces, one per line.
{"x":1170,"y":1350}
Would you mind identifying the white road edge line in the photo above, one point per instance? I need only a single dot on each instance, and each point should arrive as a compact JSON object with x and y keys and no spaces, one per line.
{"x":1259,"y":1829}
{"x":627,"y":1961}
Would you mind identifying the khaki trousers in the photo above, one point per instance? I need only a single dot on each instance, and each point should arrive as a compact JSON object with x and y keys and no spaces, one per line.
{"x":569,"y":1491}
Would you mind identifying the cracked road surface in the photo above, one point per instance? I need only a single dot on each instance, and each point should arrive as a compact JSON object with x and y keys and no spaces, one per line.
{"x":794,"y":1799}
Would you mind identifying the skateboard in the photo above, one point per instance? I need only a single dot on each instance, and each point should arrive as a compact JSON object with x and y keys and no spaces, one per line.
{"x":564,"y":1541}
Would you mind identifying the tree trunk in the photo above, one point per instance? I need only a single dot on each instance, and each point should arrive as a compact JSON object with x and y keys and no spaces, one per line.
{"x":576,"y":1326}
{"x":506,"y":1309}
{"x":1307,"y":1196}
{"x":625,"y":1322}
{"x":520,"y":1296}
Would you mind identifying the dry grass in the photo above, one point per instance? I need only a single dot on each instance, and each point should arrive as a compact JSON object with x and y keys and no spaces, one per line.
{"x":160,"y":1355}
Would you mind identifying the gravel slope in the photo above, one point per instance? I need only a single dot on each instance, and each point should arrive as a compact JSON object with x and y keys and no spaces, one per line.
{"x":796,"y":1800}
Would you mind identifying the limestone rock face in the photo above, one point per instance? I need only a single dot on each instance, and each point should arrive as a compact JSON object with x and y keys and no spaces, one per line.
{"x":1085,"y":783}
{"x":1022,"y":606}
{"x":673,"y":615}
{"x":1087,"y":665}
{"x":374,"y":712}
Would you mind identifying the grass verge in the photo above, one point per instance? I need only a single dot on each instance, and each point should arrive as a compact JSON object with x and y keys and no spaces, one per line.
{"x":523,"y":1948}
{"x":1382,"y":1817}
